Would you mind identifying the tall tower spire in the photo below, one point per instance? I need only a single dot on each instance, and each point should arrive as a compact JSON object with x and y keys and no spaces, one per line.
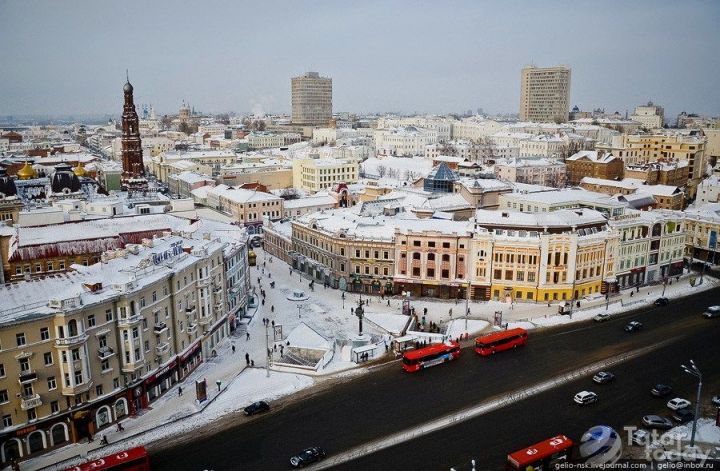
{"x":131,"y":145}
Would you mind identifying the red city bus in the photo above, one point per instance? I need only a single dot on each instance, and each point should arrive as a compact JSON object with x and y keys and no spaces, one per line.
{"x":134,"y":459}
{"x":431,"y":355}
{"x":541,"y":456}
{"x":499,"y":341}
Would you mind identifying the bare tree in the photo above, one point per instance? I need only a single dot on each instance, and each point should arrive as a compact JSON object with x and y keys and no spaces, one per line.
{"x":223,"y":118}
{"x":166,"y":122}
{"x":381,"y":170}
{"x":290,"y":194}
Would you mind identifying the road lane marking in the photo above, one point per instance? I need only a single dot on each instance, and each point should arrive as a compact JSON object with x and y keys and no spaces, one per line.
{"x":482,"y":408}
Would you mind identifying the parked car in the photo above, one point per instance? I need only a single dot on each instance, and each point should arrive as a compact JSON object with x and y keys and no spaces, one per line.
{"x":661,"y":390}
{"x":585,"y":397}
{"x":307,"y":456}
{"x":640,"y":437}
{"x":716,"y":400}
{"x":683,"y":415}
{"x":662,"y":301}
{"x":603,"y":316}
{"x":633,"y":326}
{"x":712,"y":311}
{"x":655,"y":421}
{"x":603,"y":377}
{"x":257,"y":408}
{"x":678,"y":403}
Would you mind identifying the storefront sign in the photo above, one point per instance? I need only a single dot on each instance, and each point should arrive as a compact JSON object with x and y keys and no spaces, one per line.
{"x":26,"y":430}
{"x":190,"y":352}
{"x":165,"y":369}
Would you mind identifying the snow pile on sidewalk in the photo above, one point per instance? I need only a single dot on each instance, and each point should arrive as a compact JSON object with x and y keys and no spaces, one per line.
{"x":254,"y":385}
{"x":707,"y":432}
{"x":456,"y":328}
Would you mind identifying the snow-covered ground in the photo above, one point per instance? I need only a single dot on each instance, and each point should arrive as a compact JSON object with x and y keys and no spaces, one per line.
{"x":401,"y":168}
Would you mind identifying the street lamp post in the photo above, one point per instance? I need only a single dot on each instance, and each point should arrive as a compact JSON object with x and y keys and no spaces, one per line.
{"x":467,"y":306}
{"x":693,"y":370}
{"x":268,"y":352}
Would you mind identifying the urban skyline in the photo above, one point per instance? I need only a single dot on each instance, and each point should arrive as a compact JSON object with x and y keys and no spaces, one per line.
{"x":225,"y":68}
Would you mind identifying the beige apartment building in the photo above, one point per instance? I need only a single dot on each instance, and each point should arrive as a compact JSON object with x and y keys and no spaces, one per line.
{"x":311,"y":99}
{"x":86,"y":349}
{"x":650,"y":116}
{"x":545,"y":94}
{"x":322,"y":174}
{"x":639,"y":149}
{"x":247,"y":207}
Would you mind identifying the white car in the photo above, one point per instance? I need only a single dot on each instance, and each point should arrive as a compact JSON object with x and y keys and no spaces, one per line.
{"x":585,"y":397}
{"x":678,"y":403}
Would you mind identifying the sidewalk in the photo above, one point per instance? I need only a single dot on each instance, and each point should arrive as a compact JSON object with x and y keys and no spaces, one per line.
{"x":169,"y":408}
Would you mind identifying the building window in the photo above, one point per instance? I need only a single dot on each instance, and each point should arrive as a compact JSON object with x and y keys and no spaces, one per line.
{"x":416,"y":256}
{"x":32,"y":415}
{"x":446,"y":245}
{"x":3,"y":396}
{"x":508,"y":274}
{"x":47,"y":356}
{"x":76,"y":354}
{"x":7,"y":421}
{"x":91,"y":320}
{"x":108,"y":315}
{"x":105,"y":365}
{"x":2,"y":370}
{"x":20,"y":339}
{"x":416,"y":243}
{"x":116,"y":383}
{"x":416,"y":271}
{"x":147,"y":345}
{"x":445,"y":274}
{"x":531,"y":277}
{"x":54,"y":407}
{"x":99,"y":390}
{"x":49,"y":266}
{"x":431,"y":244}
{"x":44,"y":333}
{"x":78,"y":377}
{"x":51,"y":383}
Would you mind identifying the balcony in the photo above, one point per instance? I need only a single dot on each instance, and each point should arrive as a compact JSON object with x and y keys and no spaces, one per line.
{"x":190,"y":311}
{"x":218,"y":289}
{"x":192,"y":329}
{"x":219,"y":306}
{"x":162,"y":348}
{"x":105,"y":352}
{"x":203,"y":282}
{"x":30,"y":402}
{"x":205,"y":320}
{"x":23,"y":355}
{"x":77,"y":389}
{"x":70,"y":341}
{"x":160,"y":327}
{"x":27,"y":376}
{"x":128,"y":321}
{"x":133,"y":366}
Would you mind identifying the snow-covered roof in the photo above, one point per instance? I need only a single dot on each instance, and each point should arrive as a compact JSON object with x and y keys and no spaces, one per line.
{"x":593,"y":156}
{"x":563,"y":218}
{"x":191,"y":177}
{"x":30,"y":299}
{"x":241,"y":195}
{"x":309,"y":201}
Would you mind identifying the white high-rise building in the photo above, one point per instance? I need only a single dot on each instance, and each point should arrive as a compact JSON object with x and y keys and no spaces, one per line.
{"x":545,"y":94}
{"x":311,"y":99}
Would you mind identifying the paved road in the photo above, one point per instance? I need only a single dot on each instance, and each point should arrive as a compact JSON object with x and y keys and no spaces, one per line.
{"x":389,"y":400}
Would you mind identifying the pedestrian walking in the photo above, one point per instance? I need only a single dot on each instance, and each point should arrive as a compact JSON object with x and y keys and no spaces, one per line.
{"x":252,"y":363}
{"x":120,"y":427}
{"x":233,"y":348}
{"x":179,"y":394}
{"x":247,"y":358}
{"x":282,"y":350}
{"x":272,"y":308}
{"x":247,"y":335}
{"x":450,"y":312}
{"x":275,"y":348}
{"x":388,"y":302}
{"x":269,"y":275}
{"x":273,"y":324}
{"x":263,"y":301}
{"x":104,"y":440}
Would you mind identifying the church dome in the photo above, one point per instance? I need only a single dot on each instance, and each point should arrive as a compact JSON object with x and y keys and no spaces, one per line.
{"x":128,"y":88}
{"x":27,"y":172}
{"x":64,"y":180}
{"x":80,"y":170}
{"x":7,"y":184}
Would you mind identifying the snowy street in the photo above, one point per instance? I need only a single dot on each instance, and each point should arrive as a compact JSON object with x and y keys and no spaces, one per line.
{"x":327,"y":313}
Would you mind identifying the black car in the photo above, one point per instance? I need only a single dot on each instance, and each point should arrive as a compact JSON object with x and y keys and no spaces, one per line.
{"x":257,"y":408}
{"x":633,"y":326}
{"x":307,"y":456}
{"x":683,"y":415}
{"x":662,"y":301}
{"x":661,"y":390}
{"x":603,"y":377}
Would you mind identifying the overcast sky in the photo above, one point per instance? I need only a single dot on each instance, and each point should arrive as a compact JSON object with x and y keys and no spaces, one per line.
{"x":69,"y":57}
